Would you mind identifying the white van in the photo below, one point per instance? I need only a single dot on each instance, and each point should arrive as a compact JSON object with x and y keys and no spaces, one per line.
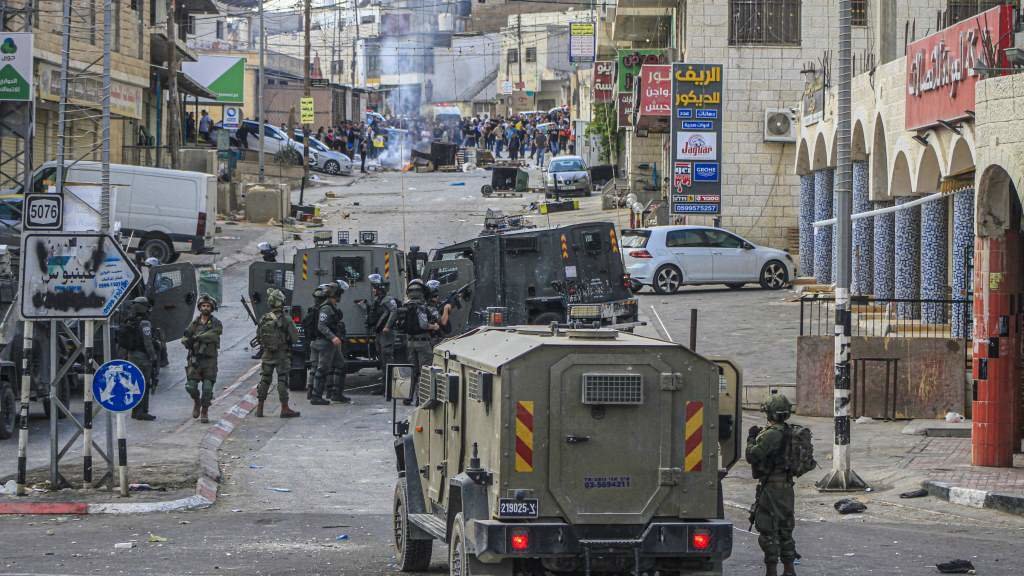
{"x":162,"y":212}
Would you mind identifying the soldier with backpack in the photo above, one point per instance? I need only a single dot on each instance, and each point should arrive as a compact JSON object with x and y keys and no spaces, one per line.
{"x":202,"y":340}
{"x":276,"y":333}
{"x":417,"y":321}
{"x":777,"y":454}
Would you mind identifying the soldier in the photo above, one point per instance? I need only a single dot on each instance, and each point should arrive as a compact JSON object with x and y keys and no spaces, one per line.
{"x":277,"y":333}
{"x":330,"y":367}
{"x":418,"y":322}
{"x":202,"y":340}
{"x":441,"y":311}
{"x":381,"y":314}
{"x":135,"y":340}
{"x":268,"y":252}
{"x":773,"y":512}
{"x":309,"y":323}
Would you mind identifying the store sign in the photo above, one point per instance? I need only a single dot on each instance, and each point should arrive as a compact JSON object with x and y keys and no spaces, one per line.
{"x":625,"y":110}
{"x":307,"y":110}
{"x":629,"y":62}
{"x":87,"y":91}
{"x":15,"y":66}
{"x":222,"y":75}
{"x":695,"y":115}
{"x":604,"y":82}
{"x":942,"y":68}
{"x":655,"y":97}
{"x":582,"y":42}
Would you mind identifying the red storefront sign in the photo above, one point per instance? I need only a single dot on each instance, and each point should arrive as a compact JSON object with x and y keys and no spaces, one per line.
{"x":941,"y":73}
{"x":604,"y":82}
{"x":655,"y":96}
{"x":625,"y":109}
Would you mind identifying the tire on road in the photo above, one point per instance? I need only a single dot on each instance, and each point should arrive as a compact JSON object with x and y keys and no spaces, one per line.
{"x":774,"y":275}
{"x":412,"y":555}
{"x":461,"y":562}
{"x":667,"y":279}
{"x":332,"y":167}
{"x":157,"y":247}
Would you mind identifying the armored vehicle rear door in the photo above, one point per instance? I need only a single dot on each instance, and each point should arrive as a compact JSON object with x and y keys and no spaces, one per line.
{"x":172,"y":289}
{"x":265,"y":275}
{"x":454,"y":275}
{"x":595,"y":270}
{"x":351,"y":264}
{"x":612,"y":431}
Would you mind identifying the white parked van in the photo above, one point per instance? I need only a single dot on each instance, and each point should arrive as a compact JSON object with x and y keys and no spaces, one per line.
{"x":162,"y":212}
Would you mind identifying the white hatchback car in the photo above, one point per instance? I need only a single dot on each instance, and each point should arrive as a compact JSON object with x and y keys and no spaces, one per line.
{"x":667,"y":257}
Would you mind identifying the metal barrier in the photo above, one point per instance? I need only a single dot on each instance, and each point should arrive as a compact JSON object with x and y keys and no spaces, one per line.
{"x":888,"y":317}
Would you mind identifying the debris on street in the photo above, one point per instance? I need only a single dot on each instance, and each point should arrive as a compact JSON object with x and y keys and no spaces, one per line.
{"x":850,"y":506}
{"x":956,"y":567}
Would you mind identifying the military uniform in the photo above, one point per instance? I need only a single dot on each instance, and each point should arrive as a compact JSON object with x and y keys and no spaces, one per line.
{"x":773,"y":512}
{"x":202,"y":340}
{"x":330,"y":367}
{"x":381,"y":314}
{"x":418,"y":321}
{"x":135,"y":341}
{"x":277,"y":333}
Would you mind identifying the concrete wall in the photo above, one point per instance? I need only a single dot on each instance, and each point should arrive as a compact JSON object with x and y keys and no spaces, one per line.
{"x":999,"y":106}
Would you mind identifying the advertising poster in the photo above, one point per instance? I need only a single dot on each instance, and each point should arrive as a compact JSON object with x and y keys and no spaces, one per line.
{"x":696,"y":138}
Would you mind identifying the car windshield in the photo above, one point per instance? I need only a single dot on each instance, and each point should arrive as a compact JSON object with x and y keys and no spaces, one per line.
{"x":634,"y":238}
{"x":566,"y":165}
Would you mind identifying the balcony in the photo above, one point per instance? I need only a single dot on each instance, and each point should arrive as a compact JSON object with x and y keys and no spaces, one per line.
{"x":645,"y":21}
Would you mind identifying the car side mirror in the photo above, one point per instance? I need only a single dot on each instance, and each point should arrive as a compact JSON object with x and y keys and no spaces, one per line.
{"x":399,"y":385}
{"x":748,"y":246}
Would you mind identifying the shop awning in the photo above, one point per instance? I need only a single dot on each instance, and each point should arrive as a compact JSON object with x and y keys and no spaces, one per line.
{"x":186,"y":84}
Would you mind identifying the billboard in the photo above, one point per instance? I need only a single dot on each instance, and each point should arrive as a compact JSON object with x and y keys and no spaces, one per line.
{"x":582,"y":42}
{"x":222,"y":75}
{"x":942,"y":68}
{"x":654,"y":94}
{"x":629,"y":62}
{"x":604,"y":82}
{"x":16,"y":72}
{"x":696,"y":120}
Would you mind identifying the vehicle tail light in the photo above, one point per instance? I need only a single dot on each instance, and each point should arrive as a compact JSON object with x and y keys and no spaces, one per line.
{"x":520,"y":540}
{"x":626,"y":281}
{"x":297,"y":314}
{"x":640,"y":254}
{"x":701,"y":540}
{"x":201,"y":225}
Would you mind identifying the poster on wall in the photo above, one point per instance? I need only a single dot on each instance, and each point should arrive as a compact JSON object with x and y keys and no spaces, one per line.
{"x":604,"y":82}
{"x":696,"y":139}
{"x":582,"y":42}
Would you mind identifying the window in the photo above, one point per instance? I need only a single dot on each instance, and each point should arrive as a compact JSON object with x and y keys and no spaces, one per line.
{"x":958,"y":10}
{"x":531,"y":54}
{"x":860,"y":12}
{"x":189,"y":25}
{"x":721,"y":239}
{"x":684,"y":239}
{"x":349,"y":269}
{"x":766,"y":22}
{"x":592,"y":241}
{"x":220,"y":29}
{"x":337,"y":67}
{"x":513,"y":55}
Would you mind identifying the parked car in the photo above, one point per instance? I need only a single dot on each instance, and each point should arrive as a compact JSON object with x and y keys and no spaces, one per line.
{"x":668,"y":257}
{"x":275,"y":141}
{"x":327,"y":160}
{"x":567,"y":175}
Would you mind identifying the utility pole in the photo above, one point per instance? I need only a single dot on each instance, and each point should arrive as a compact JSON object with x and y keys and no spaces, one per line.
{"x":62,"y":105}
{"x":308,"y":9}
{"x":519,"y":45}
{"x":842,"y":478}
{"x":261,"y":80}
{"x":355,"y":43}
{"x":173,"y":122}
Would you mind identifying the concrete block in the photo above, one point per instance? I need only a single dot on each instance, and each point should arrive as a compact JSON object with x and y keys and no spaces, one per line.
{"x":264,"y":203}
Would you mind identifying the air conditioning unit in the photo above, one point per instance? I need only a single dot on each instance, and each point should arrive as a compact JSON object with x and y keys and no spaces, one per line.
{"x":779,"y":125}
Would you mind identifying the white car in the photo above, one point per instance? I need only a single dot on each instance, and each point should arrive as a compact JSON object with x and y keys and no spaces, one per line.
{"x":323,"y":158}
{"x":667,"y":257}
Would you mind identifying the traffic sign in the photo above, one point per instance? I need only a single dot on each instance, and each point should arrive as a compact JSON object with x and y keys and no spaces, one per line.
{"x":43,"y":212}
{"x":232,"y":117}
{"x":319,"y":82}
{"x":81,"y":276}
{"x":306,"y":111}
{"x":118,"y":385}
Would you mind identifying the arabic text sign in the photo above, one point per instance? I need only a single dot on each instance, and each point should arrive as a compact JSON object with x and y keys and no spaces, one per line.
{"x":118,"y":385}
{"x":16,"y":66}
{"x":604,"y":82}
{"x":942,"y":68}
{"x":629,"y":62}
{"x":656,"y":90}
{"x":80,"y":275}
{"x":625,"y":109}
{"x":582,"y":42}
{"x":307,"y":113}
{"x":696,"y":138}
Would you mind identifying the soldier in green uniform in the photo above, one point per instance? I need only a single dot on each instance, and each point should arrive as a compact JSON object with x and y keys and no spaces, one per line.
{"x":418,"y":322}
{"x":330,"y":368}
{"x":277,"y":333}
{"x":135,"y":341}
{"x":202,"y":340}
{"x":773,"y":511}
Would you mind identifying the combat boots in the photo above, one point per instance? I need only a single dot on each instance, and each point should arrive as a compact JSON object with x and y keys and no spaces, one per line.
{"x":204,"y":417}
{"x":287,"y":412}
{"x":771,"y":569}
{"x":259,"y":407}
{"x":195,"y":407}
{"x":788,"y":569}
{"x":318,"y":401}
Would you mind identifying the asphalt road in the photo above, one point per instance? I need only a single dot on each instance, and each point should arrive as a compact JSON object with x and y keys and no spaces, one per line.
{"x":336,"y":462}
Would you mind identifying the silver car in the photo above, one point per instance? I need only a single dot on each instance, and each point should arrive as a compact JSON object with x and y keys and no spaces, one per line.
{"x":326,"y":160}
{"x":566,"y":176}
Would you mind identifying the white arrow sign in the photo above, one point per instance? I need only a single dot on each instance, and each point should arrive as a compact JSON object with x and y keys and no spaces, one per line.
{"x":82,"y":276}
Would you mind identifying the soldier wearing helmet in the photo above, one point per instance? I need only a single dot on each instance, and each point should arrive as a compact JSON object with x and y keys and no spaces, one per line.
{"x":268,"y":252}
{"x":773,"y":510}
{"x":381,"y":314}
{"x":441,"y":310}
{"x":309,"y":322}
{"x":329,"y":344}
{"x":418,"y":322}
{"x":277,"y":334}
{"x":202,"y":340}
{"x":135,"y":343}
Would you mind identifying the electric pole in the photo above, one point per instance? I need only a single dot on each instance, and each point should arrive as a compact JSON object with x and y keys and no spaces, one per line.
{"x":842,"y":478}
{"x":355,"y":43}
{"x":308,"y":9}
{"x":259,"y":97}
{"x":173,"y":123}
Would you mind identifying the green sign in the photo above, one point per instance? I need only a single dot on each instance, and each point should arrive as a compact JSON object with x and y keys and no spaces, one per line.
{"x":629,"y":63}
{"x":222,"y":75}
{"x":15,"y":66}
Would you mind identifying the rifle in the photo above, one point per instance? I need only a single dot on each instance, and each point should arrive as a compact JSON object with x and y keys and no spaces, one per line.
{"x":753,"y":507}
{"x":455,"y":297}
{"x":255,"y":342}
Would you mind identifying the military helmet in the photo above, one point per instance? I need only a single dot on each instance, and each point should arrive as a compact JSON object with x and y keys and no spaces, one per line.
{"x":341,"y":286}
{"x":375,"y":280}
{"x":778,"y":408}
{"x":321,"y":291}
{"x":140,"y":305}
{"x":206,"y":298}
{"x":275,"y":298}
{"x":151,"y":261}
{"x":433,"y":286}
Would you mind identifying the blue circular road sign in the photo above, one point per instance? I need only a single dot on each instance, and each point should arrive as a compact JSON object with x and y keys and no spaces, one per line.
{"x":118,"y":385}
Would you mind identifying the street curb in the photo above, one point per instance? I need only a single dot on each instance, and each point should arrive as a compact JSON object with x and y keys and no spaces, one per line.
{"x":206,"y":485}
{"x":974,"y":498}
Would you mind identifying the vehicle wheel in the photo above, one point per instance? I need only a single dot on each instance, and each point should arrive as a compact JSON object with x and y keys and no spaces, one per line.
{"x":774,"y":276}
{"x":64,"y":394}
{"x":413,"y":555}
{"x":157,"y":248}
{"x":736,"y":285}
{"x":588,"y":192}
{"x":8,"y":411}
{"x":667,"y":280}
{"x":296,"y":379}
{"x":332,"y":167}
{"x":546,"y":318}
{"x":464,"y":563}
{"x":635,"y":286}
{"x":487,"y":190}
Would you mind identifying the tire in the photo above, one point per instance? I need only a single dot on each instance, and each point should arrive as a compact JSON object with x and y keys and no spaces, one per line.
{"x":8,"y":411}
{"x":667,"y":280}
{"x":154,"y":247}
{"x":412,"y":555}
{"x":635,"y":286}
{"x":486,"y":190}
{"x":736,"y":285}
{"x":588,"y":192}
{"x":774,"y":275}
{"x":332,"y":167}
{"x":546,"y":318}
{"x":464,"y":563}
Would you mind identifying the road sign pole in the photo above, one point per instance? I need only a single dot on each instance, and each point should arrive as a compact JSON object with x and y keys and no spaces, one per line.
{"x":90,"y":329}
{"x":26,"y":394}
{"x":54,"y":410}
{"x":110,"y":419}
{"x":122,"y":455}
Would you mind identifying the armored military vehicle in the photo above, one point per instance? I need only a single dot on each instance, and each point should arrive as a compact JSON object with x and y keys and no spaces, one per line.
{"x":565,"y":451}
{"x":568,"y":273}
{"x":331,"y":258}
